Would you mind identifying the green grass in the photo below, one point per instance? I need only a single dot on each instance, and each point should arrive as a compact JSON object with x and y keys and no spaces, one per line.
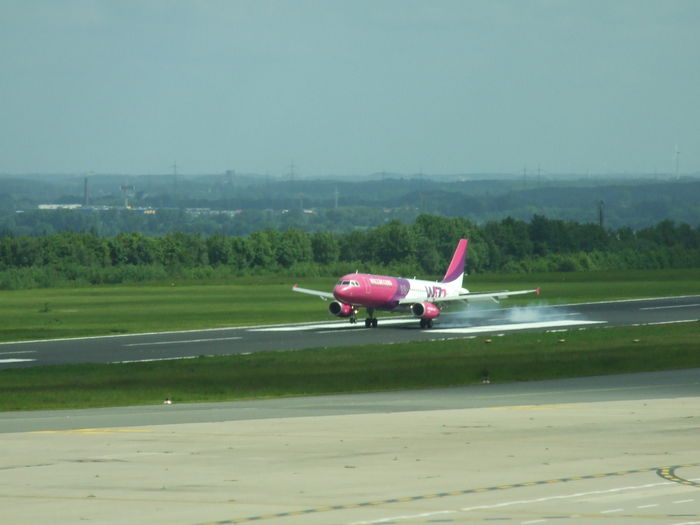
{"x":576,"y":287}
{"x":51,"y":313}
{"x":515,"y":357}
{"x":105,"y":310}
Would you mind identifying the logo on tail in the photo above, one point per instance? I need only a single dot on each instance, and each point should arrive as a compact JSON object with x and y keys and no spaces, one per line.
{"x":455,"y":271}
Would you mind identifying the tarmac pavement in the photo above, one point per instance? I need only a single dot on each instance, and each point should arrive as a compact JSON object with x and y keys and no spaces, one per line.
{"x":573,"y":451}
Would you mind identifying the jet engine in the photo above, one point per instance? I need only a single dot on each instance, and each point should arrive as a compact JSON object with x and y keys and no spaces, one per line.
{"x":340,"y":309}
{"x":425,"y":310}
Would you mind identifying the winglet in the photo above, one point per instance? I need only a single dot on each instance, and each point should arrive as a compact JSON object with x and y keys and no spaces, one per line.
{"x":537,"y":291}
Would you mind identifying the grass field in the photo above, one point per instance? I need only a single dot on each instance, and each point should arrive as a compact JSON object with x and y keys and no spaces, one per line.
{"x":37,"y":314}
{"x":515,"y":357}
{"x":104,"y":310}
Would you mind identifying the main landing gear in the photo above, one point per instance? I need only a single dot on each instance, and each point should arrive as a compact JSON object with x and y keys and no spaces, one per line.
{"x":371,"y":321}
{"x":426,"y":323}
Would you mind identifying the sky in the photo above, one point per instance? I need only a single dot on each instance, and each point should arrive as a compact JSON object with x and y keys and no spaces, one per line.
{"x":350,"y":87}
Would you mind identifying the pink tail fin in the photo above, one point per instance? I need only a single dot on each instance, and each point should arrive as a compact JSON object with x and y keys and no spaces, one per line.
{"x":456,"y":268}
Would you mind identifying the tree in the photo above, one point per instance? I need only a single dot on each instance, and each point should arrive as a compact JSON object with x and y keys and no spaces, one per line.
{"x":262,"y":249}
{"x":241,"y":253}
{"x":392,"y":242}
{"x":294,"y":247}
{"x":219,"y":249}
{"x":183,"y":250}
{"x":325,"y":248}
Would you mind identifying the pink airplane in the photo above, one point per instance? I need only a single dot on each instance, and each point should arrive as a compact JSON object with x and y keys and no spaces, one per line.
{"x":424,"y":299}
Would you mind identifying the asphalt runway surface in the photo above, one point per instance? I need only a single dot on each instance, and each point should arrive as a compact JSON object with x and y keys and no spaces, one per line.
{"x":615,"y":449}
{"x":453,"y":323}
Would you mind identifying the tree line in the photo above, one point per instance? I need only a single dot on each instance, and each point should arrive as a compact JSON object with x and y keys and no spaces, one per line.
{"x":111,"y":222}
{"x":423,"y":247}
{"x":202,"y":206}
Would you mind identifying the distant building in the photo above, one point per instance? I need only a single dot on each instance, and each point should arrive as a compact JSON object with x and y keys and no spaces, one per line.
{"x":60,"y":206}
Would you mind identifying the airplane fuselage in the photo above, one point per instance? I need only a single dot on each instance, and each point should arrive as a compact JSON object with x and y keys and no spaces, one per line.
{"x":386,"y":293}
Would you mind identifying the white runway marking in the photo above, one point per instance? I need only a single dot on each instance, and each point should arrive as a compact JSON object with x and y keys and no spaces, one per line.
{"x":520,"y":502}
{"x":159,"y":359}
{"x":185,"y":342}
{"x":299,"y":328}
{"x":671,"y":322}
{"x":511,"y":327}
{"x":5,"y":361}
{"x":669,"y":307}
{"x":114,"y":336}
{"x":333,"y":326}
{"x":327,"y":326}
{"x":19,"y":352}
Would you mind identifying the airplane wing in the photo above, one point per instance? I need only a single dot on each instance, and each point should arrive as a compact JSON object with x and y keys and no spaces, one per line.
{"x":493,"y":296}
{"x":322,"y":295}
{"x":477,"y":296}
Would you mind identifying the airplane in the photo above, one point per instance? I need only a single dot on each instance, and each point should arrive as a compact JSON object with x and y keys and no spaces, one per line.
{"x":424,"y":299}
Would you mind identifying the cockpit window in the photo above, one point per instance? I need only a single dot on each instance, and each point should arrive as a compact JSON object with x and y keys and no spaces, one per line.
{"x":348,"y":283}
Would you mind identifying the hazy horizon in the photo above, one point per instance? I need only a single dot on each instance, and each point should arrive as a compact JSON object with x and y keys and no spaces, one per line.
{"x":350,"y":88}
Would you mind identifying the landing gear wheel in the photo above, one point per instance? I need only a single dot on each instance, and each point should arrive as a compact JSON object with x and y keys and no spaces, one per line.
{"x":368,"y":323}
{"x":374,"y":323}
{"x":426,"y":323}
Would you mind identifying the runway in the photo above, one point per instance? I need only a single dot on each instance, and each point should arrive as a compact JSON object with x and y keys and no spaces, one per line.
{"x":617,"y":448}
{"x":453,"y":323}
